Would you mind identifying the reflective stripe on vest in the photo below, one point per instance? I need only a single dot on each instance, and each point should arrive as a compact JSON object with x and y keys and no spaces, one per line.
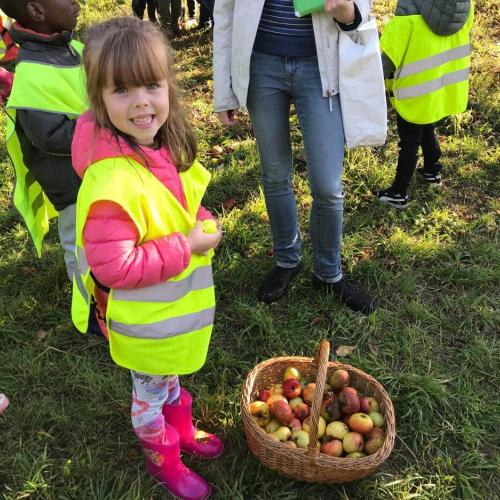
{"x":432,"y":71}
{"x":58,"y":90}
{"x":163,"y":328}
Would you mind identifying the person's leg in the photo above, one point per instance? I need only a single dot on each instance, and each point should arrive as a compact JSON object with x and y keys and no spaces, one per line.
{"x":66,"y":226}
{"x":269,"y":108}
{"x":175,"y":10}
{"x":191,"y":8}
{"x":165,"y":15}
{"x":152,"y":10}
{"x":431,"y":149}
{"x":138,"y":7}
{"x":320,"y":121}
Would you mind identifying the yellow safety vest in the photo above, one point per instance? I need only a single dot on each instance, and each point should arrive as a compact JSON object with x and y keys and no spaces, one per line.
{"x":431,"y":79}
{"x":160,"y":329}
{"x":59,"y":89}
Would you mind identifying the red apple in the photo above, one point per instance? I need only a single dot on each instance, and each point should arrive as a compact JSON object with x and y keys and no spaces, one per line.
{"x":282,"y":412}
{"x":349,"y":401}
{"x":353,"y":441}
{"x":291,"y":388}
{"x":333,"y":448}
{"x":339,"y":379}
{"x":375,"y":433}
{"x":374,"y":444}
{"x":360,"y":422}
{"x":295,"y":424}
{"x":364,"y":405}
{"x":276,"y":397}
{"x":264,"y":395}
{"x":308,"y":394}
{"x":301,"y":411}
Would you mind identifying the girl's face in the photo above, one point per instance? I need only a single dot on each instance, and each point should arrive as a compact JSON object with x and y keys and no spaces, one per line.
{"x":138,"y":112}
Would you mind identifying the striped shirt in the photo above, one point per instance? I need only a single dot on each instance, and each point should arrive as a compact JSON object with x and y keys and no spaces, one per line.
{"x":282,"y":33}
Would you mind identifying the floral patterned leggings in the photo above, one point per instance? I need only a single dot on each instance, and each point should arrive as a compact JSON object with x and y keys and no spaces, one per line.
{"x":149,"y":394}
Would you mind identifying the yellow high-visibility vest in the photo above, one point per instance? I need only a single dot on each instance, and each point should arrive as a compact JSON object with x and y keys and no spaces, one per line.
{"x":60,"y":89}
{"x":165,"y":328}
{"x":431,"y":79}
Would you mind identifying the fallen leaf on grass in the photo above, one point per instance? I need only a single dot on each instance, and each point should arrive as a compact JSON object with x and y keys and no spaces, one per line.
{"x":217,"y":151}
{"x":41,"y":335}
{"x":317,"y":319}
{"x":373,"y":348}
{"x":345,"y":350}
{"x":28,"y":271}
{"x":42,"y":434}
{"x":229,"y":204}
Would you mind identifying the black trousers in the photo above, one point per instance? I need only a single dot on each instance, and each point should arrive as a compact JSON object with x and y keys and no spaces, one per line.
{"x":138,"y":7}
{"x":411,"y":138}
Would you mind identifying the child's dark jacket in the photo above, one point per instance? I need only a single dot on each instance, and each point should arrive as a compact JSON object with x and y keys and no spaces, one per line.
{"x":45,"y":138}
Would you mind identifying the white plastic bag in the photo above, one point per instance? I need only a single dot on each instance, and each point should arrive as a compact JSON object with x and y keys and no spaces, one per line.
{"x":361,"y":87}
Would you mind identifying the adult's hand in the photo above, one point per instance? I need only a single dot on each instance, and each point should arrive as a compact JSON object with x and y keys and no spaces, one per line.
{"x":227,"y":117}
{"x":341,"y":10}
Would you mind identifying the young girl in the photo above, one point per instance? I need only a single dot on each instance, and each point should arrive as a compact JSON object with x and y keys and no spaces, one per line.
{"x":144,"y":242}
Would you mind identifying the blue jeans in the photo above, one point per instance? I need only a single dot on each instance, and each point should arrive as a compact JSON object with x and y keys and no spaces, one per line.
{"x":275,"y":82}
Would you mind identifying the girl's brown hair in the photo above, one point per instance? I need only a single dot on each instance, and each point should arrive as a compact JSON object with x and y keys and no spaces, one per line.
{"x":135,"y":53}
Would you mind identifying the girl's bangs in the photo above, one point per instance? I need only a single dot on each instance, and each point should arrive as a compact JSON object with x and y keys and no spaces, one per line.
{"x":137,"y":62}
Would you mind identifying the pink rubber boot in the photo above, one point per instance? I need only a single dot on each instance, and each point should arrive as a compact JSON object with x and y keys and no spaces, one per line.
{"x":164,"y":463}
{"x":198,"y":443}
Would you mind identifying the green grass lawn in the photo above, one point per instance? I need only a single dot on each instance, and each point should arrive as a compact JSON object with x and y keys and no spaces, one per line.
{"x":432,"y":343}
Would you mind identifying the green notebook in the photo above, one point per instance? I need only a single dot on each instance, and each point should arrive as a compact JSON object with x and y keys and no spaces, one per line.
{"x":304,"y":7}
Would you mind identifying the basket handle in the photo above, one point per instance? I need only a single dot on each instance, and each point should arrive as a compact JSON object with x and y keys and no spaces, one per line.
{"x":321,"y":362}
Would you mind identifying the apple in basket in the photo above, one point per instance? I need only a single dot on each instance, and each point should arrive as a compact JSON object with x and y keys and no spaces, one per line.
{"x":264,"y":395}
{"x":260,"y":412}
{"x":301,"y":439}
{"x":353,"y":441}
{"x":374,"y":406}
{"x":339,"y":379}
{"x":349,"y":400}
{"x":283,"y":434}
{"x":282,"y":412}
{"x":276,"y":397}
{"x":291,"y":388}
{"x":364,"y":405}
{"x":308,"y":393}
{"x":291,"y":372}
{"x":301,"y":411}
{"x":360,"y":422}
{"x":321,"y":426}
{"x":378,"y":418}
{"x":272,"y":426}
{"x":336,"y":430}
{"x":295,"y":402}
{"x":333,"y":448}
{"x":295,"y":424}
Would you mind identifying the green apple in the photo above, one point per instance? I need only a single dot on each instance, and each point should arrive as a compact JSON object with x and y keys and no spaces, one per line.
{"x":378,"y":418}
{"x":301,"y":439}
{"x":291,"y":372}
{"x":283,"y":434}
{"x":336,"y":430}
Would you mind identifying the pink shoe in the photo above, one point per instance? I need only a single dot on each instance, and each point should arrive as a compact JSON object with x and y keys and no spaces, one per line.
{"x":164,"y":463}
{"x":198,"y":443}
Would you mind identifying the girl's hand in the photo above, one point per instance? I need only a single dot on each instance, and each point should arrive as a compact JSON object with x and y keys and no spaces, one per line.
{"x":202,"y":242}
{"x":227,"y":117}
{"x":341,"y":10}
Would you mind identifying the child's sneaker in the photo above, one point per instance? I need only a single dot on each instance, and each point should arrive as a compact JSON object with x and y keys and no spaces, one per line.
{"x":430,"y":177}
{"x":392,"y":198}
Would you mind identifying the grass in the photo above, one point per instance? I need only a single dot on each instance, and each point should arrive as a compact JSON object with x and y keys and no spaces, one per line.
{"x":432,"y":343}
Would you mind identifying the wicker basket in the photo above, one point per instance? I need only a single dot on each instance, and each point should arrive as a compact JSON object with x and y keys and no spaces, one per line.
{"x":309,"y":464}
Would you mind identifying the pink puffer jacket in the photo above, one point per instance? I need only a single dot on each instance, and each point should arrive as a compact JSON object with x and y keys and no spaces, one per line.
{"x":110,"y":237}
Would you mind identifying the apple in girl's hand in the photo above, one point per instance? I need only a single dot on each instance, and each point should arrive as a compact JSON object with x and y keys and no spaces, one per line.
{"x":283,"y":433}
{"x":276,"y":397}
{"x":264,"y":394}
{"x":282,"y":412}
{"x":349,"y":401}
{"x":301,"y":438}
{"x":294,"y":402}
{"x":364,"y":405}
{"x":378,"y":418}
{"x":308,"y":394}
{"x":374,"y":406}
{"x":353,"y":441}
{"x":291,"y":372}
{"x":295,"y":424}
{"x":337,"y":430}
{"x":339,"y":379}
{"x":291,"y":388}
{"x":272,"y":426}
{"x":301,"y":411}
{"x":332,"y":448}
{"x":360,"y":422}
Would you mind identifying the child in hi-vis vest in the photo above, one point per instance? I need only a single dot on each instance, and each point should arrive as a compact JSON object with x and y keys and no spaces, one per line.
{"x":144,"y":242}
{"x":426,"y":58}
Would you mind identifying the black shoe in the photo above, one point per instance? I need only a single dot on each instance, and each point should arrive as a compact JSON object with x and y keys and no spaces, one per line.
{"x":350,"y":296}
{"x":432,"y":177}
{"x":393,"y":198}
{"x":276,"y":283}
